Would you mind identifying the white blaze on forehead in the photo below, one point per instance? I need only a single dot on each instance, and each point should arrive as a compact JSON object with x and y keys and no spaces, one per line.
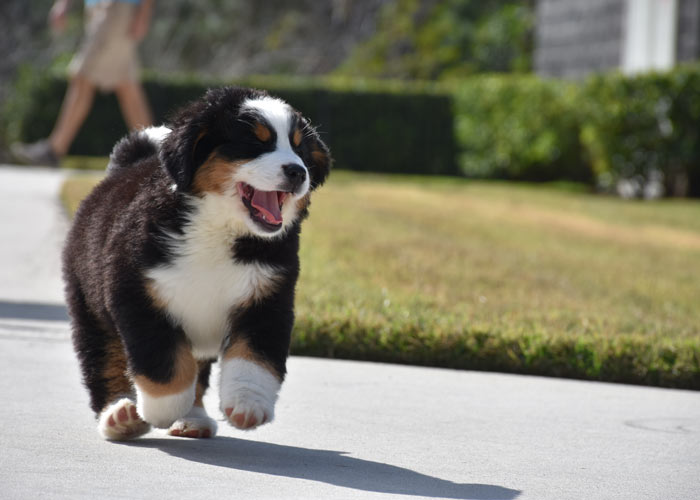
{"x":265,"y":172}
{"x":277,"y":112}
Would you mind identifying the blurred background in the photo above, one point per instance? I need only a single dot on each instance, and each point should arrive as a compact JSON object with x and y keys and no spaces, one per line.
{"x":484,"y":151}
{"x":601,"y":92}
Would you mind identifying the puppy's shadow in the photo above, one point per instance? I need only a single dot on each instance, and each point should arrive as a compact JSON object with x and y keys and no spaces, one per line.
{"x":332,"y":467}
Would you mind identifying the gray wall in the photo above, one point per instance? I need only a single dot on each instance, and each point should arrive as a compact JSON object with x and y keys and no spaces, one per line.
{"x":688,"y":43}
{"x":573,"y":37}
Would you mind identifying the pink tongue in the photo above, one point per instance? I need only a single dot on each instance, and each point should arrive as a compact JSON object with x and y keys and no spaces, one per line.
{"x":267,"y":204}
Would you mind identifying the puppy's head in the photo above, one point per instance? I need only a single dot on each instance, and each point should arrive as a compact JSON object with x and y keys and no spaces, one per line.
{"x":252,"y":148}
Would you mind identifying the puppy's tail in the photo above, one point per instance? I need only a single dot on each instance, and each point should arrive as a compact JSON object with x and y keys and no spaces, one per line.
{"x":136,"y":147}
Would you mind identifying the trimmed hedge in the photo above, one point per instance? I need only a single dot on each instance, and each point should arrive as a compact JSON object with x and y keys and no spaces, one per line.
{"x":389,"y":127}
{"x":509,"y":126}
{"x":608,"y":128}
{"x":638,"y":127}
{"x":519,"y":128}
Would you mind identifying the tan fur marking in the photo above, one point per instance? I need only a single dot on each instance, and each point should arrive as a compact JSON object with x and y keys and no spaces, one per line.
{"x":296,"y":137}
{"x":199,"y":138}
{"x":262,"y":289}
{"x":319,"y":156}
{"x":114,"y":374}
{"x":214,"y":175}
{"x":262,"y":132}
{"x":201,"y":388}
{"x":265,"y":288}
{"x":185,"y":371}
{"x":239,"y":349}
{"x":199,"y":396}
{"x":304,"y":202}
{"x":151,"y":291}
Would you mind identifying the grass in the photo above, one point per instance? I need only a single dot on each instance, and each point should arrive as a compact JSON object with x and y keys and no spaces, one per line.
{"x":89,"y":163}
{"x":495,"y":276}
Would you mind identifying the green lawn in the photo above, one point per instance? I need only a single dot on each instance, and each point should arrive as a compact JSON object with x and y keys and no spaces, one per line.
{"x":497,"y":276}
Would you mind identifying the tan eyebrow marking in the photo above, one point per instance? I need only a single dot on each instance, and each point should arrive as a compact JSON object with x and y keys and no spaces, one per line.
{"x":262,"y":132}
{"x":296,"y":138}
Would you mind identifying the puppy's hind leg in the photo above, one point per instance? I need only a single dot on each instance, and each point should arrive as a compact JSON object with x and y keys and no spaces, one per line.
{"x":197,"y":424}
{"x":103,"y":365}
{"x":120,"y":421}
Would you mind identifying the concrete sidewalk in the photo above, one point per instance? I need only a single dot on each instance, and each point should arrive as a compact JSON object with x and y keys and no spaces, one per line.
{"x":343,"y":429}
{"x":32,"y":228}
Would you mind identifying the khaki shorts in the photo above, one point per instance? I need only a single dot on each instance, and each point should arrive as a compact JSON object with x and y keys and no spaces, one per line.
{"x":107,"y":56}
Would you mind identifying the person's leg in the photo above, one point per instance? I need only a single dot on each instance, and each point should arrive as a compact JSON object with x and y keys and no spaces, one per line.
{"x":75,"y":107}
{"x":74,"y":110}
{"x":134,"y":105}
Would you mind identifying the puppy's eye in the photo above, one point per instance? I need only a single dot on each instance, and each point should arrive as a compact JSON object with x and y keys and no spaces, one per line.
{"x":262,"y":132}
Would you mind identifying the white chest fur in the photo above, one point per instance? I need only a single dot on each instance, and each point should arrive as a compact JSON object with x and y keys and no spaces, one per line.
{"x":203,"y":283}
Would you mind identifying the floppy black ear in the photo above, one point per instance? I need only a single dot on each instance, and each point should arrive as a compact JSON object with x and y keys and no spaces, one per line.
{"x":187,"y":146}
{"x":321,"y":162}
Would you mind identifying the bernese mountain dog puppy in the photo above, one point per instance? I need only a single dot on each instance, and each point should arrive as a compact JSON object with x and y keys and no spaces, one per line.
{"x":187,"y":253}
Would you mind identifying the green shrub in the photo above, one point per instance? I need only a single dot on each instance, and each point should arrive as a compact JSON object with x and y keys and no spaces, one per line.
{"x":519,"y":127}
{"x":508,"y":126}
{"x":644,"y":125}
{"x":447,"y":39}
{"x":380,"y":127}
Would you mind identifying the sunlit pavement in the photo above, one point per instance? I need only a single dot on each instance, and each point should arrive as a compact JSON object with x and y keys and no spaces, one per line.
{"x":342,"y":430}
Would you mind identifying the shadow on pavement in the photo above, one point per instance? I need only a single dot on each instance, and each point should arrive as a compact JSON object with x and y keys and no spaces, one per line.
{"x":332,"y":467}
{"x":28,"y":310}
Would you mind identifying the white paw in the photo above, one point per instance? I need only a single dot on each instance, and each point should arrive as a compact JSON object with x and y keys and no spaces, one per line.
{"x":248,"y":393}
{"x":120,"y":421}
{"x":196,"y":424}
{"x":162,"y":411}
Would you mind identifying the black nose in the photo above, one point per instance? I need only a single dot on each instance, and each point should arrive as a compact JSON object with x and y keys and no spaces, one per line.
{"x":296,"y":175}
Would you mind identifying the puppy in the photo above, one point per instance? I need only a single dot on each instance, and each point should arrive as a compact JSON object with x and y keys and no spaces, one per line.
{"x":187,"y":252}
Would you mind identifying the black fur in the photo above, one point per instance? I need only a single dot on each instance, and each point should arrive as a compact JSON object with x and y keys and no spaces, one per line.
{"x":116,"y":234}
{"x":121,"y":229}
{"x":131,"y":150}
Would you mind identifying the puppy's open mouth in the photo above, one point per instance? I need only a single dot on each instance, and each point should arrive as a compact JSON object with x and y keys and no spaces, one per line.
{"x":265,"y":207}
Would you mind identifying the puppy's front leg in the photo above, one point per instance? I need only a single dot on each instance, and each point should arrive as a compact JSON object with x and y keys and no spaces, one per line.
{"x":249,"y":386}
{"x":160,"y":402}
{"x":160,"y":360}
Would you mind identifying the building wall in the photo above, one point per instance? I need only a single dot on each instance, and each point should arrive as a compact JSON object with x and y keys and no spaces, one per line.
{"x":688,"y":42}
{"x":574,"y":38}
